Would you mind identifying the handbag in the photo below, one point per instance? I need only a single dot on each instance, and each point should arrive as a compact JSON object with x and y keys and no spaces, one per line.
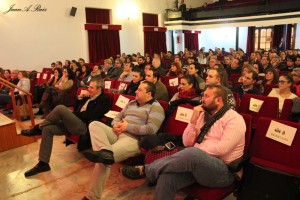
{"x":22,"y":107}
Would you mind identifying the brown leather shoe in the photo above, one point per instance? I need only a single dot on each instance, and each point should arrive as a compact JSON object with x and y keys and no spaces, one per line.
{"x":103,"y":156}
{"x":32,"y":131}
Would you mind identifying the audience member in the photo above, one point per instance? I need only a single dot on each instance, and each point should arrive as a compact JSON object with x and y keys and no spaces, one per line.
{"x":137,"y":77}
{"x":23,"y":83}
{"x":296,"y":79}
{"x":127,"y":73}
{"x":107,"y":67}
{"x":91,"y":105}
{"x":96,"y":73}
{"x":153,"y":76}
{"x":116,"y":71}
{"x":195,"y":69}
{"x":265,"y":62}
{"x":57,"y":95}
{"x":175,"y":70}
{"x":217,"y":76}
{"x":283,"y":91}
{"x":157,"y":64}
{"x":139,"y":118}
{"x":85,"y":72}
{"x":39,"y":89}
{"x":214,"y":138}
{"x":248,"y":86}
{"x":188,"y":89}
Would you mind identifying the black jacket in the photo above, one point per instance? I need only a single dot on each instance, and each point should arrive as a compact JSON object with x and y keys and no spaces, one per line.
{"x":95,"y":109}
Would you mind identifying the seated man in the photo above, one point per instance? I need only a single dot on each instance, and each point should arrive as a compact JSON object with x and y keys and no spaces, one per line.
{"x":214,"y":138}
{"x":139,"y":118}
{"x":218,"y":77}
{"x":153,"y":76}
{"x":92,"y":104}
{"x":248,"y":87}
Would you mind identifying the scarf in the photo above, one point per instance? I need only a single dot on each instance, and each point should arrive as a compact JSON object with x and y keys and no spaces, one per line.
{"x":187,"y":94}
{"x":210,"y":122}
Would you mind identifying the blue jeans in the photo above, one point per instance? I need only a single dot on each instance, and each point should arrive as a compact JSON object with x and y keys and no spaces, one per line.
{"x":184,"y":168}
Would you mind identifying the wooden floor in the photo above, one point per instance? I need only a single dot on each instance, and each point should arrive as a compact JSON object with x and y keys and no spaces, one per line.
{"x":68,"y":179}
{"x":69,"y":176}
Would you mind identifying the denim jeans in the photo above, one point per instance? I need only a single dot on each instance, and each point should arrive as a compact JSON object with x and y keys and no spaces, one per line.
{"x":184,"y":168}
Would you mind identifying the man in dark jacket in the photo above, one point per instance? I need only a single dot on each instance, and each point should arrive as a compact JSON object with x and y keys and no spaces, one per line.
{"x":91,"y":105}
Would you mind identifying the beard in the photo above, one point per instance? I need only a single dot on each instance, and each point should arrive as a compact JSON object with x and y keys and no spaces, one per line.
{"x":210,"y":108}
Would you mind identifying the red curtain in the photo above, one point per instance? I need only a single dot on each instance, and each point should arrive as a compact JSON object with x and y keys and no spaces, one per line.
{"x":250,"y":40}
{"x":278,"y":34}
{"x":288,"y":36}
{"x":97,"y":16}
{"x":150,"y":19}
{"x":191,"y":41}
{"x":154,"y":42}
{"x":103,"y":44}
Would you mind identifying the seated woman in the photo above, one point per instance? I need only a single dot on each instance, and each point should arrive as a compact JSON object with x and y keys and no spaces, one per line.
{"x":137,"y":78}
{"x":285,"y":84}
{"x":188,"y":89}
{"x":39,"y":89}
{"x":76,"y":68}
{"x":24,"y":83}
{"x":85,"y":72}
{"x":6,"y":76}
{"x":56,"y":95}
{"x":271,"y":77}
{"x":195,"y":69}
{"x":175,"y":70}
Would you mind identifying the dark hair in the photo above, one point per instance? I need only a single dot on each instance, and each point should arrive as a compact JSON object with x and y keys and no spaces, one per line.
{"x":254,"y":74}
{"x":191,"y":79}
{"x":149,"y":58}
{"x":59,"y":62}
{"x":220,"y":92}
{"x":198,"y":67}
{"x":88,"y":69}
{"x":150,"y":87}
{"x":289,"y":78}
{"x":156,"y":73}
{"x":140,"y":71}
{"x":68,"y":62}
{"x":293,"y":58}
{"x":276,"y":76}
{"x":24,"y":73}
{"x":71,"y":74}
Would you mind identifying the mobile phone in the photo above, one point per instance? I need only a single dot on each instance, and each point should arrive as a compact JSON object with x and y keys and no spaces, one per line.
{"x":170,"y":146}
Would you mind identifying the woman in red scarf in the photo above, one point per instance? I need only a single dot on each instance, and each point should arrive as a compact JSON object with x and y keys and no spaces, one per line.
{"x":188,"y":89}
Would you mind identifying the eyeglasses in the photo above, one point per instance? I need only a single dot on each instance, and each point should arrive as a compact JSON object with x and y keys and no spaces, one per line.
{"x":282,"y":82}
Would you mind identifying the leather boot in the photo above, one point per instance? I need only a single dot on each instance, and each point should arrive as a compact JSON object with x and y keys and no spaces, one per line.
{"x":44,"y":100}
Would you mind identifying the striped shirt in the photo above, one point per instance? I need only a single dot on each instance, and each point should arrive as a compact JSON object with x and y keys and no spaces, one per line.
{"x":142,"y":120}
{"x":225,"y":139}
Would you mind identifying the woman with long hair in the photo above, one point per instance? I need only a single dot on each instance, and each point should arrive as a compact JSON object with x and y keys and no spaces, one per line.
{"x":195,"y":69}
{"x":188,"y":88}
{"x":56,"y":95}
{"x":283,"y":91}
{"x":175,"y":70}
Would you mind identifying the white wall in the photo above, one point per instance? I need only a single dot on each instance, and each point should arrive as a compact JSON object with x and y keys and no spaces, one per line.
{"x":218,"y":37}
{"x":32,"y":40}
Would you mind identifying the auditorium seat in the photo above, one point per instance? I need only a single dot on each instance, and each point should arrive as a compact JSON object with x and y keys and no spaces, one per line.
{"x":268,"y":109}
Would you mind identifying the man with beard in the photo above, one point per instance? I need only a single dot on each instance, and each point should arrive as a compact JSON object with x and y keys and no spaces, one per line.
{"x":214,"y":138}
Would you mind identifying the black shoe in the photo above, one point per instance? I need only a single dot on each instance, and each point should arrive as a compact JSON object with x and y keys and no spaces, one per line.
{"x":32,"y":131}
{"x":40,"y":112}
{"x":37,"y":169}
{"x":25,"y":118}
{"x":133,"y":172}
{"x":103,"y":156}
